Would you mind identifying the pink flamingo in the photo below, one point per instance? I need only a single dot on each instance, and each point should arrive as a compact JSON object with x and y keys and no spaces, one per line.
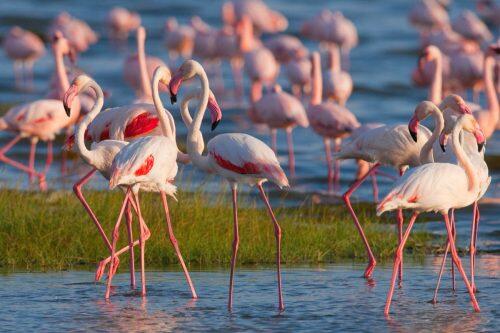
{"x":471,"y":27}
{"x":298,"y":72}
{"x":264,"y":19}
{"x":286,"y":48}
{"x":338,"y":83}
{"x":437,"y":187}
{"x":39,"y":120}
{"x":489,"y":10}
{"x":138,"y":68}
{"x":148,"y":164}
{"x":100,"y":157}
{"x":179,"y":39}
{"x":239,"y":158}
{"x":121,"y":22}
{"x":78,"y":33}
{"x":428,"y":15}
{"x":24,"y":48}
{"x":330,"y":120}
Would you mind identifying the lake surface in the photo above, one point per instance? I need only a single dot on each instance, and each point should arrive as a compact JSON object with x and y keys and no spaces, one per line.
{"x":333,"y":298}
{"x":330,"y":297}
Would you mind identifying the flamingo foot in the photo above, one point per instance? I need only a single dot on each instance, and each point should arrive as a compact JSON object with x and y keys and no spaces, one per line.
{"x":369,"y":269}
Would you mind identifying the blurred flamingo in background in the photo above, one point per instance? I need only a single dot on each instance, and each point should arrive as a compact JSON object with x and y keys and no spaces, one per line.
{"x":148,"y":164}
{"x":298,"y":72}
{"x":179,"y":39}
{"x":24,"y":48}
{"x":121,"y":22}
{"x":78,"y":33}
{"x":264,"y":19}
{"x":239,"y":158}
{"x":471,"y":27}
{"x":489,"y":11}
{"x":437,"y":187}
{"x":330,"y":120}
{"x":338,"y":83}
{"x":428,"y":15}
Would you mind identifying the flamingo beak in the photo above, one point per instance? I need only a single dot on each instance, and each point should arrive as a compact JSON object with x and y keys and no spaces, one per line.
{"x":480,"y":138}
{"x":174,"y":86}
{"x":465,"y":109}
{"x":413,"y":127}
{"x":215,"y":112}
{"x":442,"y":142}
{"x":68,"y":98}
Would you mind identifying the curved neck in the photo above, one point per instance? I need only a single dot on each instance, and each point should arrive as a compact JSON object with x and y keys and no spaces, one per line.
{"x":436,"y":87}
{"x":463,"y":160}
{"x":62,"y":75}
{"x":317,"y":81}
{"x":334,"y":58}
{"x":426,"y":151}
{"x":143,"y":68}
{"x":195,"y":142}
{"x":489,"y":85}
{"x":167,"y":126}
{"x":255,"y":91}
{"x":85,"y":153}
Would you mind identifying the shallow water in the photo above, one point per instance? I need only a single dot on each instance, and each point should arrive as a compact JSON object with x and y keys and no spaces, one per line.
{"x":332,"y":297}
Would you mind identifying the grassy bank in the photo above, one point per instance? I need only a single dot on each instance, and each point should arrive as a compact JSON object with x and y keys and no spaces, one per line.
{"x":52,"y":231}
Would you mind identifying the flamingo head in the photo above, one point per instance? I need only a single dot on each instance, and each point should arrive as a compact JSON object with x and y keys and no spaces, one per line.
{"x":187,"y":70}
{"x":61,"y":44}
{"x":443,"y":138}
{"x":429,"y":53}
{"x":79,"y":84}
{"x":456,"y":104}
{"x":162,"y":75}
{"x":215,"y":111}
{"x":470,"y":124}
{"x":413,"y":127}
{"x":422,"y":111}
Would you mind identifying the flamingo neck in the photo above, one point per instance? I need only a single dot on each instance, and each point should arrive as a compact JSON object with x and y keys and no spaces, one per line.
{"x":491,"y":94}
{"x":85,"y":153}
{"x":167,"y":125}
{"x":317,"y":81}
{"x":62,"y":75}
{"x":426,"y":155}
{"x":143,"y":69}
{"x":195,"y":141}
{"x":436,"y":87}
{"x":334,"y":58}
{"x":462,"y":158}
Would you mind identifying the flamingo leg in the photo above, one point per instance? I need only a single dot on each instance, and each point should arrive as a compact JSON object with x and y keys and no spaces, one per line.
{"x":458,"y":262}
{"x":277,"y":235}
{"x":128,"y":217}
{"x":400,"y":222}
{"x":142,"y":244}
{"x":329,"y":163}
{"x":336,"y":165}
{"x":373,"y":176}
{"x":441,"y":270}
{"x":29,"y":74}
{"x":31,"y":161}
{"x":291,"y":157}
{"x":397,"y":263}
{"x":50,"y":156}
{"x":452,"y":221}
{"x":346,"y":197}
{"x":236,"y":242}
{"x":113,"y":265}
{"x":473,"y":239}
{"x":274,"y":145}
{"x":20,"y":166}
{"x":18,"y":77}
{"x":175,"y":244}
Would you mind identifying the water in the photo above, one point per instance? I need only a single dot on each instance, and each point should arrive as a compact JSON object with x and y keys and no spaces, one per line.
{"x":321,"y":298}
{"x":380,"y":67}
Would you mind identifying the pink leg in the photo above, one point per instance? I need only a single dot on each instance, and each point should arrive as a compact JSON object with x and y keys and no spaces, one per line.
{"x":452,"y":221}
{"x":31,"y":162}
{"x":374,"y":186}
{"x":175,"y":244}
{"x":142,"y":243}
{"x":458,"y":262}
{"x":400,"y":221}
{"x":473,"y":239}
{"x":50,"y":156}
{"x":441,"y":270}
{"x":386,"y":175}
{"x":277,"y":235}
{"x":372,"y":262}
{"x":236,"y":242}
{"x":128,"y":217}
{"x":329,"y":163}
{"x":116,"y":230}
{"x":397,"y":262}
{"x":291,"y":157}
{"x":336,"y":177}
{"x":274,"y":145}
{"x":20,"y":166}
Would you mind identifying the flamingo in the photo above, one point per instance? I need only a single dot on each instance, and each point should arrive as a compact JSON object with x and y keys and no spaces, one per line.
{"x":239,"y":158}
{"x":138,"y":68}
{"x":179,"y":39}
{"x":298,"y":72}
{"x":428,"y":15}
{"x":330,"y":120}
{"x":100,"y":158}
{"x":121,"y":22}
{"x":264,"y":19}
{"x":77,"y":32}
{"x":489,"y":10}
{"x":471,"y":27}
{"x":148,"y":164}
{"x":338,"y":83}
{"x":39,"y":120}
{"x":286,"y":48}
{"x":24,"y":48}
{"x":437,"y":187}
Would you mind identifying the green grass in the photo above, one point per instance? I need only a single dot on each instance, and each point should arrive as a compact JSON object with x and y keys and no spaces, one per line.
{"x":52,"y":231}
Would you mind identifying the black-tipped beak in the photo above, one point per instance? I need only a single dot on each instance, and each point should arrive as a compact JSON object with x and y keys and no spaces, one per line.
{"x":214,"y":124}
{"x":413,"y":135}
{"x":67,"y":109}
{"x":173,"y":98}
{"x":480,"y":146}
{"x":443,"y":148}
